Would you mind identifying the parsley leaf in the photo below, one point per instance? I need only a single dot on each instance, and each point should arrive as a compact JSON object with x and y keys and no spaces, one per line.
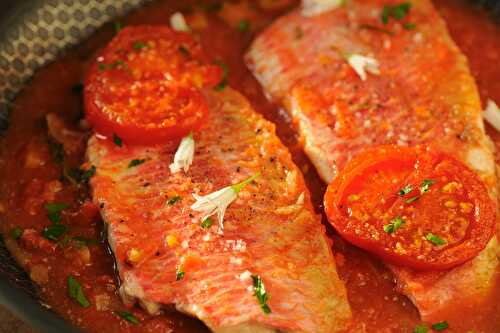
{"x":179,"y":275}
{"x":394,"y":225}
{"x":409,"y":26}
{"x":54,"y":231}
{"x":405,"y":190}
{"x":54,"y":210}
{"x":397,"y":12}
{"x":261,"y":294}
{"x":81,"y":241}
{"x":207,"y":223}
{"x":420,"y":329}
{"x":225,"y":72}
{"x":386,"y":13}
{"x":136,"y":162}
{"x":117,"y":64}
{"x":426,"y":184}
{"x":243,"y":25}
{"x":434,"y":239}
{"x":87,"y":174}
{"x":16,"y":232}
{"x":117,"y":140}
{"x":77,"y":175}
{"x":139,"y":45}
{"x":118,"y":27}
{"x":441,"y":326}
{"x":173,"y":200}
{"x":410,"y":200}
{"x":128,"y":317}
{"x":75,"y":291}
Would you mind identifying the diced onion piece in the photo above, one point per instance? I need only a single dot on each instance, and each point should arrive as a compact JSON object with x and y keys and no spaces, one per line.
{"x":178,"y":22}
{"x":316,"y":7}
{"x":492,"y":114}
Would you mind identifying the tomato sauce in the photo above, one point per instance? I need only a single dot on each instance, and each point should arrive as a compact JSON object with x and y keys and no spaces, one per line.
{"x":31,"y":170}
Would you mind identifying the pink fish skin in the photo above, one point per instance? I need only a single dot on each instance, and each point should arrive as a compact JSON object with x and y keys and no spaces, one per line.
{"x":270,"y":231}
{"x":421,"y":92}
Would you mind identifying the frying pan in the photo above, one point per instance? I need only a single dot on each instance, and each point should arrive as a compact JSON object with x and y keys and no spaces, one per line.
{"x":33,"y":33}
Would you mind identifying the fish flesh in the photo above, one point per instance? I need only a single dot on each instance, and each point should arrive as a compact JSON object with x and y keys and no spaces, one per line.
{"x":354,"y":77}
{"x":166,"y":258}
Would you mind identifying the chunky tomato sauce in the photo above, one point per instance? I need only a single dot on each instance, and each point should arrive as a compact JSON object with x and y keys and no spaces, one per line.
{"x":35,"y":169}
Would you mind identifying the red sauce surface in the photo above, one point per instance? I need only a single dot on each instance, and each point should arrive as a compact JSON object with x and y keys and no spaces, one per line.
{"x":54,"y":89}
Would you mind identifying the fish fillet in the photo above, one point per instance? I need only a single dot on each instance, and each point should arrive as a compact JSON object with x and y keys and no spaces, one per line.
{"x":421,"y":92}
{"x":270,"y":230}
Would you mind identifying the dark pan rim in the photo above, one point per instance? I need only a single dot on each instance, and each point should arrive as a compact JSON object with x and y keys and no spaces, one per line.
{"x":14,"y":298}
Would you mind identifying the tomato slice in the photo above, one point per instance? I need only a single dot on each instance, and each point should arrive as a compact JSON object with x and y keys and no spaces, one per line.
{"x":412,"y":206}
{"x":145,"y":86}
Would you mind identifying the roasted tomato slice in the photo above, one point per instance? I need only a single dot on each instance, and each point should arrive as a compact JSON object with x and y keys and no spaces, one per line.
{"x":145,"y":85}
{"x":412,"y":206}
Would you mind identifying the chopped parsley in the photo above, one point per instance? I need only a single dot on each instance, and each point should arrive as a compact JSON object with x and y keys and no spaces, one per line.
{"x":77,"y":175}
{"x":426,"y":184}
{"x":139,"y":45}
{"x":136,"y":162}
{"x":410,"y":200}
{"x":225,"y":72}
{"x":394,"y":225}
{"x":436,"y":240}
{"x":117,"y":140}
{"x":420,"y":329}
{"x":179,"y":275}
{"x":405,"y":190}
{"x":409,"y":26}
{"x":54,"y":231}
{"x":117,"y":64}
{"x":207,"y":223}
{"x":243,"y":25}
{"x":75,"y":291}
{"x":128,"y":316}
{"x":424,"y":188}
{"x":441,"y":326}
{"x":397,"y":12}
{"x":87,"y":174}
{"x":261,"y":294}
{"x":84,"y":241}
{"x":54,"y":210}
{"x":173,"y":200}
{"x":118,"y":27}
{"x":16,"y":233}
